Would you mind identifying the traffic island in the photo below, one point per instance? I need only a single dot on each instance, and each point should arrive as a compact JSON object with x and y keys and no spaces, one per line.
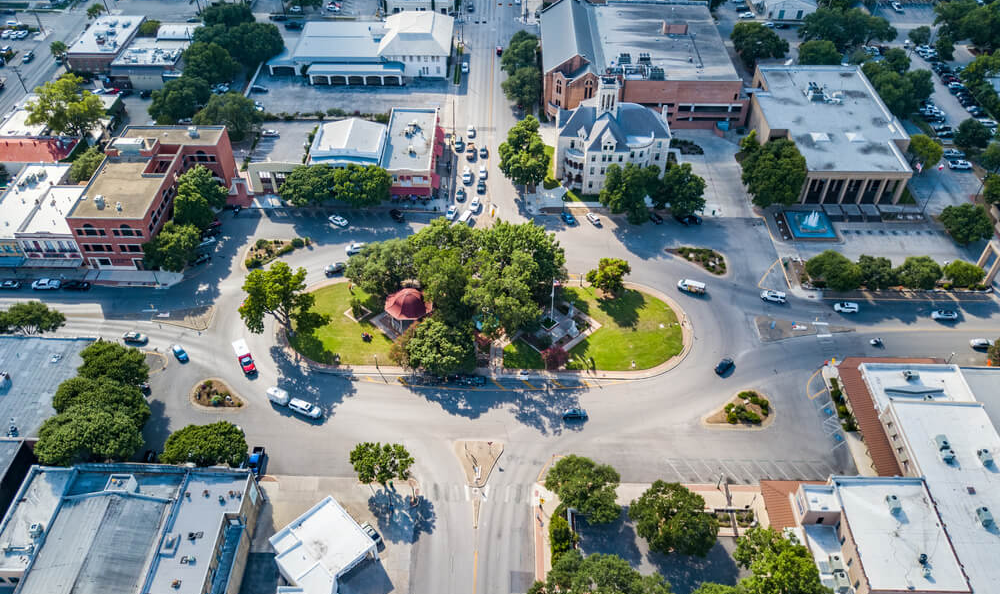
{"x":747,"y":410}
{"x":215,"y":394}
{"x":771,"y":329}
{"x":709,"y":260}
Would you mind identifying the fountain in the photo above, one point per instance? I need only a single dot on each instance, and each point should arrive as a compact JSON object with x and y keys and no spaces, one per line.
{"x":811,"y":224}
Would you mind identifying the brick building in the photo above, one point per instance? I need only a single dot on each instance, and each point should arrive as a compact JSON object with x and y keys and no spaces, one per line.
{"x":668,"y":56}
{"x":130,"y":196}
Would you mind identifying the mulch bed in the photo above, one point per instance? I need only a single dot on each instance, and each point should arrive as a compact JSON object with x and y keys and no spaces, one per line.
{"x":214,"y":393}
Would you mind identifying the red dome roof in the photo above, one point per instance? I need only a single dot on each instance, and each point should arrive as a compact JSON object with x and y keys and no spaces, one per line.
{"x":407,"y":304}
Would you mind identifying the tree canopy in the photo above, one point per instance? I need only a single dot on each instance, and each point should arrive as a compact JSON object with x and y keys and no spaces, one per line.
{"x":86,"y":164}
{"x":280,"y":293}
{"x":105,"y":359}
{"x":609,"y":276}
{"x":625,"y":190}
{"x":522,"y":155}
{"x":381,"y":267}
{"x":753,"y":41}
{"x":673,"y":519}
{"x":206,"y":445}
{"x":249,"y":43}
{"x":586,"y":486}
{"x":209,"y":62}
{"x":819,"y":52}
{"x":925,"y":150}
{"x":178,"y":99}
{"x":918,"y":272}
{"x":901,"y":93}
{"x":966,"y":223}
{"x":227,"y":14}
{"x":521,"y":52}
{"x":438,"y":348}
{"x":236,"y":112}
{"x":523,"y":86}
{"x":361,"y":186}
{"x":920,"y":35}
{"x":308,"y":185}
{"x":845,"y":28}
{"x":773,"y":172}
{"x":201,"y":181}
{"x":101,"y":391}
{"x":777,"y":564}
{"x":877,"y":273}
{"x":380,"y":463}
{"x":972,"y":134}
{"x":681,"y":189}
{"x":95,"y":10}
{"x":834,"y":269}
{"x":172,"y":248}
{"x":572,"y":573}
{"x":963,"y":274}
{"x":30,"y":317}
{"x":65,"y":108}
{"x":965,"y":19}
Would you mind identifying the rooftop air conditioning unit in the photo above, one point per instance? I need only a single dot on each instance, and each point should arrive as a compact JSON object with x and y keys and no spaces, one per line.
{"x":193,"y":131}
{"x":942,"y":441}
{"x":909,"y":374}
{"x":99,"y":201}
{"x":894,"y":505}
{"x":984,"y":516}
{"x":947,"y":456}
{"x":985,"y":457}
{"x":118,"y":206}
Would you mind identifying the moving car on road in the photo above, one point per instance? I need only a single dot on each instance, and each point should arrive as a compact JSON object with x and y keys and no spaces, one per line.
{"x":980,"y":344}
{"x":10,"y":284}
{"x":269,"y":133}
{"x":180,"y":353}
{"x":594,"y":219}
{"x":338,"y":220}
{"x":46,"y":284}
{"x":773,"y":296}
{"x":396,"y":215}
{"x":76,"y":285}
{"x":135,"y":338}
{"x":944,"y":315}
{"x":244,"y":357}
{"x":304,"y":408}
{"x":335,"y":268}
{"x":724,"y":365}
{"x":691,"y":286}
{"x":845,"y":307}
{"x":575,"y":414}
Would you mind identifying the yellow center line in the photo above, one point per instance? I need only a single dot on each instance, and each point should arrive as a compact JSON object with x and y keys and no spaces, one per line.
{"x":475,"y":568}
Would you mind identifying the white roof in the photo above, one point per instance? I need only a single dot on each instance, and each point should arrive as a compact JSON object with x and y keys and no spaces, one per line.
{"x":319,"y":546}
{"x":16,"y":124}
{"x":50,"y":216}
{"x":107,"y":34}
{"x":29,"y":195}
{"x":890,"y":544}
{"x":962,"y":486}
{"x":177,"y":31}
{"x":351,"y":140}
{"x":944,"y":383}
{"x":411,"y":136}
{"x":417,"y":32}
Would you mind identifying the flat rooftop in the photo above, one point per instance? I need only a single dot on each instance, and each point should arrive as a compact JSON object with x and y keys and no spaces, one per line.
{"x":985,"y":384}
{"x":50,"y":215}
{"x":36,"y":366}
{"x":319,"y":546}
{"x":176,"y":135}
{"x":16,"y":124}
{"x":146,"y":51}
{"x":890,"y":544}
{"x":29,"y":193}
{"x":679,"y":37}
{"x":127,"y":192}
{"x":117,"y":527}
{"x":842,"y":125}
{"x":410,"y":142}
{"x":962,"y":486}
{"x":943,"y":383}
{"x":107,"y":34}
{"x":352,"y":140}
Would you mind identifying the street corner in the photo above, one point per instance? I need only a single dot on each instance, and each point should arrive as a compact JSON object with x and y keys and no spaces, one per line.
{"x":776,"y":277}
{"x":157,"y":361}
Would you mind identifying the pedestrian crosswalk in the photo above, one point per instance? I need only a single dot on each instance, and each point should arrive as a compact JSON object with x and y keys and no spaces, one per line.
{"x":513,"y":494}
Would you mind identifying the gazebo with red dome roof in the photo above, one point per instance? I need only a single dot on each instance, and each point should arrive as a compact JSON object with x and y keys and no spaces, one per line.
{"x":405,"y":307}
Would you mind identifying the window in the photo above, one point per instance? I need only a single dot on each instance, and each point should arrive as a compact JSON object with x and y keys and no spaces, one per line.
{"x":571,"y":143}
{"x":857,"y":583}
{"x":602,"y":171}
{"x":593,"y":158}
{"x":104,"y":261}
{"x":590,"y":185}
{"x":819,"y":520}
{"x":621,"y":158}
{"x":591,"y":171}
{"x":439,"y":70}
{"x":656,"y":157}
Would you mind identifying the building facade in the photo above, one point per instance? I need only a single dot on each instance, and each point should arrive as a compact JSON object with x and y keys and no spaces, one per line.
{"x":668,"y":56}
{"x":130,"y":197}
{"x":605,"y":131}
{"x":784,"y":11}
{"x":854,"y":147}
{"x":33,"y":213}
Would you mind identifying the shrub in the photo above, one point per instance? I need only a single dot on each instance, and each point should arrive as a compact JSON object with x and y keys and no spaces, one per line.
{"x":285,"y":249}
{"x":834,"y":384}
{"x":561,"y":537}
{"x":252,"y":263}
{"x":555,"y":357}
{"x":357,"y":309}
{"x":543,"y":342}
{"x":261,"y":244}
{"x":216,"y":400}
{"x":298,"y":242}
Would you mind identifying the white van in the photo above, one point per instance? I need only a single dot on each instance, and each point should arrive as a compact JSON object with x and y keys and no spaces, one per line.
{"x":278,"y":396}
{"x":464,"y":219}
{"x":691,"y":286}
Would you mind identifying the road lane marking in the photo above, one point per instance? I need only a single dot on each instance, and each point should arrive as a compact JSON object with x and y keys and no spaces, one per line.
{"x":760,"y":283}
{"x":475,"y":569}
{"x":498,"y":384}
{"x":558,"y":385}
{"x":530,"y":387}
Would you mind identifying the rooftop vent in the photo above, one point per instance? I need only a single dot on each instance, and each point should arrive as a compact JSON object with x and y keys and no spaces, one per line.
{"x":942,"y":441}
{"x":410,"y":150}
{"x":656,"y":73}
{"x":819,"y":136}
{"x":624,"y":58}
{"x":947,"y":456}
{"x":984,"y":516}
{"x":118,"y":206}
{"x":894,"y":505}
{"x":193,"y":131}
{"x":922,"y":559}
{"x":99,"y":201}
{"x":910,"y":374}
{"x":926,"y":571}
{"x":985,"y":457}
{"x":36,"y":530}
{"x":836,"y":563}
{"x":645,"y":59}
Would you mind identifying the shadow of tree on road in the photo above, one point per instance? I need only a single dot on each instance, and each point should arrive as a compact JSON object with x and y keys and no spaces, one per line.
{"x":539,"y":409}
{"x":400,"y":517}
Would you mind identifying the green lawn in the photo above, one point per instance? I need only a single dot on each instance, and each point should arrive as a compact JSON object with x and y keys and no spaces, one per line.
{"x":520,"y":355}
{"x":635,"y":327}
{"x":342,"y":336}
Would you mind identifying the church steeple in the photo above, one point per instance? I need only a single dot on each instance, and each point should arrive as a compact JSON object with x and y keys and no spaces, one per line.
{"x":607,"y":96}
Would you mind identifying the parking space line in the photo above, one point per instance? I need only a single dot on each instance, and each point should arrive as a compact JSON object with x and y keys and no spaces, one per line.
{"x":530,"y":387}
{"x":680,"y":477}
{"x":495,"y":382}
{"x":558,"y":385}
{"x":778,"y":464}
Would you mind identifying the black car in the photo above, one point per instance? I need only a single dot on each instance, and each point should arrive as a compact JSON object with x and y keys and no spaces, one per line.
{"x":688,"y":220}
{"x":575,"y":414}
{"x":75,"y":285}
{"x":125,"y":93}
{"x":293,"y":25}
{"x":149,"y":457}
{"x":725,"y":365}
{"x":145,"y":94}
{"x":396,"y":215}
{"x":10,"y":284}
{"x":657,"y":219}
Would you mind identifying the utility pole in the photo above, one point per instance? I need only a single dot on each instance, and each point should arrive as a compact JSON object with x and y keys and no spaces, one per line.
{"x":17,"y":73}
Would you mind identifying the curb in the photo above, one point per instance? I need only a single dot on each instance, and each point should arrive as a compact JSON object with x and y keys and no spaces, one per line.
{"x":219,"y":409}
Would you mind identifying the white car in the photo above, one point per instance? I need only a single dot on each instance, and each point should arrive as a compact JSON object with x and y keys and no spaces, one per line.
{"x":46,"y":284}
{"x":482,"y":172}
{"x":769,"y":24}
{"x":304,"y":408}
{"x":960,"y":165}
{"x":773,"y":296}
{"x":845,"y":307}
{"x":594,"y":219}
{"x":450,"y":214}
{"x":467,"y":176}
{"x":354,"y":248}
{"x":897,"y":6}
{"x":953,"y":154}
{"x":470,"y":131}
{"x":338,"y":220}
{"x":945,"y":315}
{"x":6,"y":34}
{"x":269,"y":133}
{"x":980,"y":344}
{"x":474,"y":204}
{"x":465,"y":67}
{"x":746,"y":15}
{"x":295,"y":9}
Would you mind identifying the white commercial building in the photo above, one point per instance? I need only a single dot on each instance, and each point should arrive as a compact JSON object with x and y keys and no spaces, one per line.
{"x":394,"y":6}
{"x":101,"y":42}
{"x":343,"y":142}
{"x":406,"y":45}
{"x":148,"y":62}
{"x":784,"y":10}
{"x":33,"y":228}
{"x":319,"y":547}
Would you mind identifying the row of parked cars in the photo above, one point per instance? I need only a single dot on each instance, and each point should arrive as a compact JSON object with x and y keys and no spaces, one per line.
{"x":48,"y":284}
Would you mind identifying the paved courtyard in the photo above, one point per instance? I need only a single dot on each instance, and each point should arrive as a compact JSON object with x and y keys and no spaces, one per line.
{"x":724,"y":193}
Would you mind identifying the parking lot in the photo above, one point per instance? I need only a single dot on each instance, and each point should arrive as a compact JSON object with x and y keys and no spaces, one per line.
{"x":290,"y":146}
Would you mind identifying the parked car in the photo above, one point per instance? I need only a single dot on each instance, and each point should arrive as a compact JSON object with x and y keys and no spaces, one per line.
{"x":396,"y":215}
{"x":354,"y":248}
{"x":470,"y":152}
{"x":953,"y":154}
{"x":259,"y":89}
{"x":372,"y":533}
{"x":724,"y":365}
{"x":483,"y":152}
{"x":980,"y":344}
{"x":465,"y":67}
{"x":334,"y":269}
{"x":27,"y":57}
{"x":946,"y":134}
{"x":46,"y":284}
{"x":201,"y":259}
{"x":338,"y":220}
{"x":896,"y":6}
{"x":466,"y":176}
{"x":211,"y":232}
{"x":470,"y":131}
{"x":482,"y":172}
{"x":574,"y":414}
{"x":940,"y":127}
{"x":944,"y":315}
{"x":746,"y":15}
{"x":974,"y":110}
{"x":76,"y":285}
{"x":10,"y":284}
{"x":269,"y":133}
{"x":594,"y":219}
{"x":845,"y":307}
{"x":481,"y":186}
{"x":474,"y":205}
{"x":451,"y":212}
{"x":278,"y":17}
{"x":960,"y":165}
{"x":460,"y":194}
{"x":499,"y":50}
{"x":459,"y":145}
{"x":655,"y":218}
{"x":135,"y":338}
{"x":773,"y":296}
{"x":180,"y":353}
{"x":293,"y":25}
{"x":304,"y":408}
{"x":688,"y":220}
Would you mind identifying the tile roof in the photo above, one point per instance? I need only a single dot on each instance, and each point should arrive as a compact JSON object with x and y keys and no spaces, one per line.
{"x":778,"y":503}
{"x":35,"y":150}
{"x":863,"y":407}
